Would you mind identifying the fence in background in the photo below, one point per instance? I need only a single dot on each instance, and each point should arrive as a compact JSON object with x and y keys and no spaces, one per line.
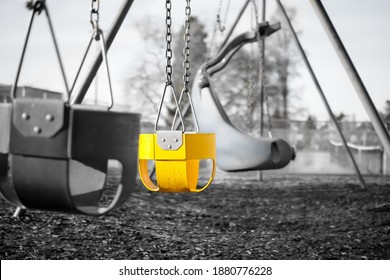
{"x":319,"y":147}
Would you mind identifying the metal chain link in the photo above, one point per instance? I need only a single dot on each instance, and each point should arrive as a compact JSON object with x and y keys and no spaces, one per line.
{"x":94,"y":16}
{"x":211,"y":44}
{"x":222,"y":26}
{"x":263,"y":87}
{"x":262,"y":80}
{"x":186,"y":49}
{"x":168,"y":39}
{"x":212,"y":41}
{"x":218,"y":26}
{"x":250,"y":101}
{"x":255,"y":11}
{"x":186,"y":66}
{"x":218,"y":22}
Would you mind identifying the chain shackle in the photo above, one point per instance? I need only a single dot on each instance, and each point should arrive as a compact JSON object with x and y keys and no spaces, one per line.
{"x":94,"y":17}
{"x":37,"y":6}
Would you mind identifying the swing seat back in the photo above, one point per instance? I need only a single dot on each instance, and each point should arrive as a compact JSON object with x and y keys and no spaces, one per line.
{"x":177,"y":156}
{"x":59,"y":155}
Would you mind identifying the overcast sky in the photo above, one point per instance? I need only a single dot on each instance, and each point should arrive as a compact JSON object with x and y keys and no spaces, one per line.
{"x":364,"y":27}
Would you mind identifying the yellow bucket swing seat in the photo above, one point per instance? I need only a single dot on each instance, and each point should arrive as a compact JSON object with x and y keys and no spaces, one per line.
{"x":177,"y":153}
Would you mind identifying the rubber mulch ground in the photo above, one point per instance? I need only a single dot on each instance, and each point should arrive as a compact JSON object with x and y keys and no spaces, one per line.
{"x":307,"y":217}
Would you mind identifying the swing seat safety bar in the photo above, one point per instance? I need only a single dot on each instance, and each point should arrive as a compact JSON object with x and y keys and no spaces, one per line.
{"x":177,"y":156}
{"x":59,"y":156}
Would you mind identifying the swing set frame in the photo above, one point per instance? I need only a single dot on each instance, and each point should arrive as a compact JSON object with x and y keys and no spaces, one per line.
{"x":337,"y":44}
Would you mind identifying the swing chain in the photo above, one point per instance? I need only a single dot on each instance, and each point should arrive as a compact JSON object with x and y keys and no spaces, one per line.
{"x":168,"y":38}
{"x":263,"y":89}
{"x":186,"y":50}
{"x":222,"y":26}
{"x":168,"y":70}
{"x":94,"y":17}
{"x":251,"y":101}
{"x":186,"y":63}
{"x":262,"y":79}
{"x":218,"y":26}
{"x":255,"y":11}
{"x":186,"y":66}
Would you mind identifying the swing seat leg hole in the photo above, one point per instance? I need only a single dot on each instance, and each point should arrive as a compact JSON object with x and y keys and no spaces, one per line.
{"x":294,"y":152}
{"x":205,"y":171}
{"x":152,"y":171}
{"x":95,"y":184}
{"x":113,"y":180}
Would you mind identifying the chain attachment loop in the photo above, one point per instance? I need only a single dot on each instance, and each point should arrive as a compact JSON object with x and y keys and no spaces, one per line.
{"x":97,"y":35}
{"x":186,"y":67}
{"x":168,"y":69}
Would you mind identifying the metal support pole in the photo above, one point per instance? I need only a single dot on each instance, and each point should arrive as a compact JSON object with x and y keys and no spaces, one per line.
{"x":352,"y":74}
{"x":78,"y":98}
{"x":262,"y":78}
{"x":323,"y":97}
{"x":381,"y":161}
{"x":262,"y":43}
{"x":234,"y":25}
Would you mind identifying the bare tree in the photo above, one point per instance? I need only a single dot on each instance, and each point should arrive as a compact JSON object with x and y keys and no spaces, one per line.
{"x":238,"y":84}
{"x":282,"y":59}
{"x":145,"y":85}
